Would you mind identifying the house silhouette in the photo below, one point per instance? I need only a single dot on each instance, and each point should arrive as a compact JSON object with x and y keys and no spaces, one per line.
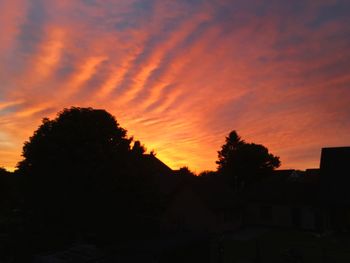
{"x":315,"y":200}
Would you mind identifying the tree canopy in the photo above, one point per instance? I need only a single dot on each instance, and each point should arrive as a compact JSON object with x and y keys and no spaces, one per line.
{"x":244,"y":163}
{"x":83,"y":139}
{"x":78,"y":166}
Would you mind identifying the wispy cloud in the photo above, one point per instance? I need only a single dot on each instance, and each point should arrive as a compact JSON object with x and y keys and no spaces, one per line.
{"x":179,"y":75}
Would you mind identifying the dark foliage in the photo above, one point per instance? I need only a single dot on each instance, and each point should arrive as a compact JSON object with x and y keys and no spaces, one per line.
{"x":244,"y":163}
{"x":185,"y":172}
{"x":84,"y":178}
{"x":79,"y":138}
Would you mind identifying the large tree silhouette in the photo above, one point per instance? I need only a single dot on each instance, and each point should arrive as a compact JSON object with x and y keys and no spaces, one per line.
{"x":76,"y":168}
{"x":83,"y":139}
{"x":244,"y":163}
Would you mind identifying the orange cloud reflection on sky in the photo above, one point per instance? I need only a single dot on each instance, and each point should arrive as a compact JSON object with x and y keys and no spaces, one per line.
{"x":180,"y":75}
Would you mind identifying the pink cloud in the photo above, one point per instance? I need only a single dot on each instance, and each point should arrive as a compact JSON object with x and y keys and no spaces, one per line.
{"x":180,"y":75}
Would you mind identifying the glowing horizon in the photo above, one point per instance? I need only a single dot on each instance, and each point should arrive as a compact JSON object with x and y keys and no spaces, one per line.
{"x":180,"y":75}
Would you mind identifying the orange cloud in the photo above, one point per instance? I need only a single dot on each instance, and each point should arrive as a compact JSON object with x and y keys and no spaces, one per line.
{"x":179,"y":75}
{"x":10,"y":20}
{"x":50,"y":52}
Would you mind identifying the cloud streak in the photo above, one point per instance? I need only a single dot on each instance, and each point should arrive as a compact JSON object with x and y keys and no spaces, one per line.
{"x":179,"y":75}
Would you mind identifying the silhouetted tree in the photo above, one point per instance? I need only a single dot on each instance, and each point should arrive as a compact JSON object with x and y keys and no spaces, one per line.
{"x":82,"y":176}
{"x":75,"y":166}
{"x":208,"y":174}
{"x":244,"y":163}
{"x":186,"y":172}
{"x":80,"y":138}
{"x":138,"y":149}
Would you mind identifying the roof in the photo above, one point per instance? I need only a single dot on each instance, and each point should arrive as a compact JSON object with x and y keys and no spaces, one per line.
{"x":160,"y":172}
{"x":157,"y":165}
{"x":335,"y":161}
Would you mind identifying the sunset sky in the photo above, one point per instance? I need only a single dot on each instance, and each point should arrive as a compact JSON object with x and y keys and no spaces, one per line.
{"x":179,"y":75}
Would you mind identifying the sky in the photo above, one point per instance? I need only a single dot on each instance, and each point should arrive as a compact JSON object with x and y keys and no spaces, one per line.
{"x":179,"y":75}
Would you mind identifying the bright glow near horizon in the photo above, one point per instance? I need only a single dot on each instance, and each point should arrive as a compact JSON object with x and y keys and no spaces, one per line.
{"x":180,"y":75}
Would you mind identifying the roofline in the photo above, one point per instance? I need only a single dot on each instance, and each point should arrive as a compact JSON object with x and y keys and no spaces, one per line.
{"x":335,"y":147}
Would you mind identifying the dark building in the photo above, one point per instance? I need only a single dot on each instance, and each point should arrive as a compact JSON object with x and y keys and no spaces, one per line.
{"x":335,"y":175}
{"x":335,"y":186}
{"x":315,"y":199}
{"x":287,"y":199}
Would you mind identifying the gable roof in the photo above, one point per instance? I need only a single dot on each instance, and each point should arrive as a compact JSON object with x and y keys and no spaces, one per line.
{"x":157,"y":165}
